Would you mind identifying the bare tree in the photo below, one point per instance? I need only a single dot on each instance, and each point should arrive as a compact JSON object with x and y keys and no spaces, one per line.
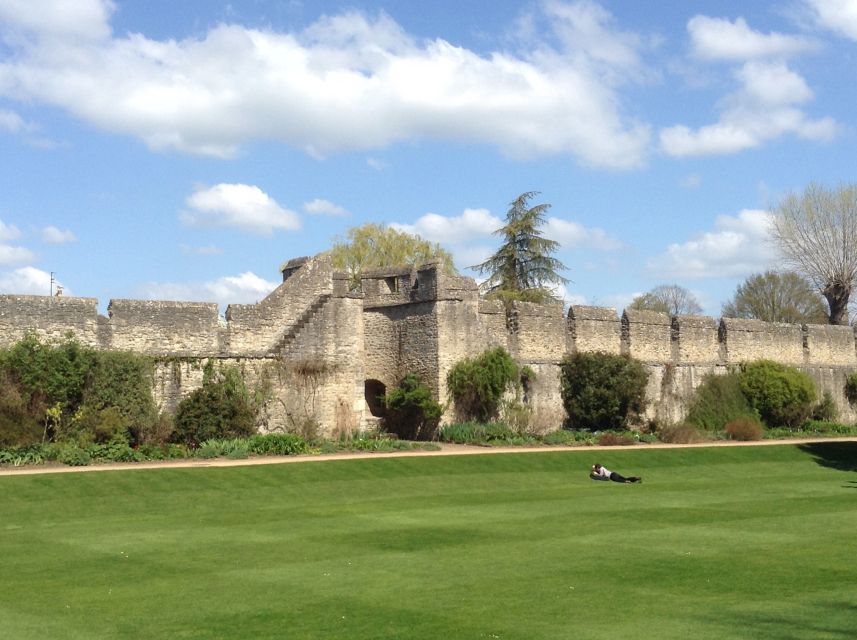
{"x":777,"y":297}
{"x":817,"y":235}
{"x":668,"y":298}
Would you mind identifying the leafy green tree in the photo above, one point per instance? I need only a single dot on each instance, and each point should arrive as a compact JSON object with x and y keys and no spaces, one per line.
{"x":220,"y":408}
{"x":412,"y":413}
{"x":522,"y":268}
{"x":49,"y":373}
{"x":668,"y":298}
{"x":777,"y":297}
{"x":602,"y":390}
{"x":123,"y":381}
{"x":477,"y":385}
{"x":373,"y":246}
{"x":783,"y":395}
{"x":816,"y":232}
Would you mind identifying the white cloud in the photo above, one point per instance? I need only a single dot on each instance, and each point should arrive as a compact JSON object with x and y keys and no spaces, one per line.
{"x":9,"y":232}
{"x":11,"y":122}
{"x":15,"y":255}
{"x":837,"y":15}
{"x":325,"y":207}
{"x":87,"y":19}
{"x":347,"y":82}
{"x":470,"y":225}
{"x":572,"y":235}
{"x":53,"y":235}
{"x":238,"y":205}
{"x":588,"y":32}
{"x":721,"y":39}
{"x":27,"y":281}
{"x":763,"y":109}
{"x":738,"y":246}
{"x":245,"y":288}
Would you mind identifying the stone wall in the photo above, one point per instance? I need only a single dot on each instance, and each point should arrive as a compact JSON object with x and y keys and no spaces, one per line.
{"x":48,"y":317}
{"x":164,"y":328}
{"x":317,"y":345}
{"x":594,"y":329}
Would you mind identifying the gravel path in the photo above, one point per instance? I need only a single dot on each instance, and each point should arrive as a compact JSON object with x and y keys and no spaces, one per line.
{"x":445,"y":450}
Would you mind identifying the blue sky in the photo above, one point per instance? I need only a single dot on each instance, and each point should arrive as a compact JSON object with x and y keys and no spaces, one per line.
{"x":183,"y":151}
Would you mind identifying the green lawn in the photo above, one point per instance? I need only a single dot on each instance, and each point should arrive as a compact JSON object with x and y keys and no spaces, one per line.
{"x":755,"y":542}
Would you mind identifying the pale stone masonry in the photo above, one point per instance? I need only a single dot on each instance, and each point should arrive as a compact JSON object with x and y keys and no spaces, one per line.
{"x":326,"y":353}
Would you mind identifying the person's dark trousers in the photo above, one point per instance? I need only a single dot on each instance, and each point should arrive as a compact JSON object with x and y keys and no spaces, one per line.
{"x":615,"y":477}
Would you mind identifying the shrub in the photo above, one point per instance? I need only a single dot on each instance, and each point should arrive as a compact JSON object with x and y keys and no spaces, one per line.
{"x":602,"y":391}
{"x":123,"y":381}
{"x":18,"y":426}
{"x":220,"y":408}
{"x":681,"y":434}
{"x":49,"y":374}
{"x":73,"y":455}
{"x":782,"y":395}
{"x":744,"y":429}
{"x":516,"y":415}
{"x":719,"y":399}
{"x":615,"y":440}
{"x":825,"y":410}
{"x":565,"y":437}
{"x":116,"y":450}
{"x":412,"y":413}
{"x":17,"y":456}
{"x":277,"y":444}
{"x":476,"y":385}
{"x":463,"y":433}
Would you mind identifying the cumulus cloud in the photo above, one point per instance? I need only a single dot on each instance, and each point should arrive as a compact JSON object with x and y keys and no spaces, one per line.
{"x":238,"y":205}
{"x":471,"y":225}
{"x":246,"y":288}
{"x":81,"y":19}
{"x":769,"y":101}
{"x":721,"y":39}
{"x":347,"y":82}
{"x":763,"y":109}
{"x":15,"y":255}
{"x":53,"y":235}
{"x":837,"y":15}
{"x":325,"y":208}
{"x":27,"y":281}
{"x":573,"y":235}
{"x":9,"y":232}
{"x":737,"y":247}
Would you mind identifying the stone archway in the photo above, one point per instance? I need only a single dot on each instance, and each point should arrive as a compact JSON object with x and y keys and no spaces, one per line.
{"x":374,"y":392}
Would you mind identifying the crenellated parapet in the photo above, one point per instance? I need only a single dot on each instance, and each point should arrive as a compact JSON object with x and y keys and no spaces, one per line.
{"x":419,"y":319}
{"x":746,"y":340}
{"x":164,"y":328}
{"x":49,"y":317}
{"x":695,"y":339}
{"x":594,"y":329}
{"x":647,"y":335}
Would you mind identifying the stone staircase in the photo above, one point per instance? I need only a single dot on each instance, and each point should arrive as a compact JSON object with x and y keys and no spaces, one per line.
{"x":283,"y":345}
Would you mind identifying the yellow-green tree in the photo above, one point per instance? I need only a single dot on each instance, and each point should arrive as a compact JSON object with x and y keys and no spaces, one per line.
{"x":374,"y":246}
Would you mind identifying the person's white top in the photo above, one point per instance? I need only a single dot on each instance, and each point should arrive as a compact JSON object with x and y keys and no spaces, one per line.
{"x":604,"y":472}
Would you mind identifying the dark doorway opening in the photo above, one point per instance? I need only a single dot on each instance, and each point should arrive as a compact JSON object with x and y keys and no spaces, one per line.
{"x":374,"y":391}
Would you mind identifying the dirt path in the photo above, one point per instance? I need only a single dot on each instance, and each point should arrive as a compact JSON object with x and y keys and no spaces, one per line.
{"x":445,"y":450}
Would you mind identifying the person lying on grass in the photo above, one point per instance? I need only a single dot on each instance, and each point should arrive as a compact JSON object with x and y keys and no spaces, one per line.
{"x":600,"y":472}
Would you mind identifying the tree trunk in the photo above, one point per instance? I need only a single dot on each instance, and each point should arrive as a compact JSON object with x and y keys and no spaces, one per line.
{"x":837,"y":296}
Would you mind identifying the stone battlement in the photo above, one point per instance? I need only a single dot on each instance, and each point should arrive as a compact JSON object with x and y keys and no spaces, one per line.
{"x":421,"y":320}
